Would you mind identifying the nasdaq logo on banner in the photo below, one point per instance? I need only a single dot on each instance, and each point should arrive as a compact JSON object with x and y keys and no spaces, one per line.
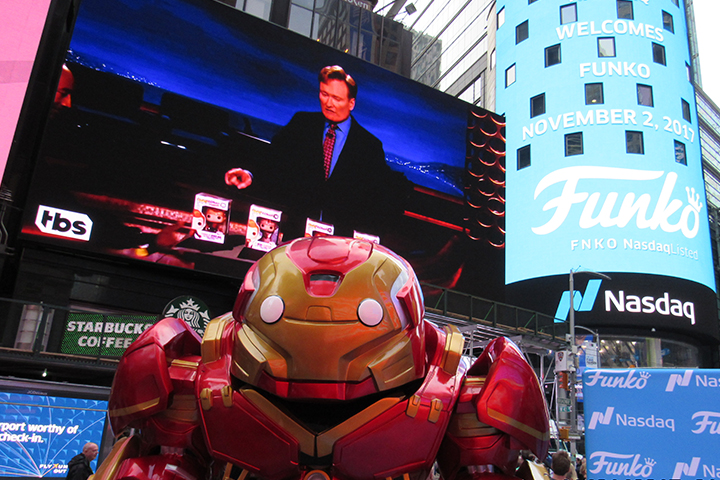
{"x":652,"y":423}
{"x":677,"y":379}
{"x":601,"y":418}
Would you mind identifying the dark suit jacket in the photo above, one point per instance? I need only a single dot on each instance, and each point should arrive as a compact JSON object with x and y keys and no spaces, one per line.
{"x":362,"y":190}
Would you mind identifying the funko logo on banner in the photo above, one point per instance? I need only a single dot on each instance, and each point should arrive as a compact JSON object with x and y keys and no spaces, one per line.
{"x":707,"y":422}
{"x":648,"y":213}
{"x":622,"y":380}
{"x":618,"y":465}
{"x":679,"y":380}
{"x":63,"y":223}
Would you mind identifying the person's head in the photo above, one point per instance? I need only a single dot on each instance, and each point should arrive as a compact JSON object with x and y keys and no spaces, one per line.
{"x":90,"y":450}
{"x":63,"y":95}
{"x":561,"y":462}
{"x":337,"y":93}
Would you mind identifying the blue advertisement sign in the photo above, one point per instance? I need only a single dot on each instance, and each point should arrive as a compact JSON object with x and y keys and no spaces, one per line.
{"x":40,"y":434}
{"x":652,"y":423}
{"x":603,"y":153}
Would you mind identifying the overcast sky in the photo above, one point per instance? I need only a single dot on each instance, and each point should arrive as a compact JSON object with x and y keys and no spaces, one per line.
{"x":707,"y":15}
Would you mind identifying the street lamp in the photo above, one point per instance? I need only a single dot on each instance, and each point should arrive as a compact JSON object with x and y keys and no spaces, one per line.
{"x":573,"y":434}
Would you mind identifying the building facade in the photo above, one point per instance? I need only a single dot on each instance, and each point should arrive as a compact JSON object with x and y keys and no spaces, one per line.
{"x":604,"y":167}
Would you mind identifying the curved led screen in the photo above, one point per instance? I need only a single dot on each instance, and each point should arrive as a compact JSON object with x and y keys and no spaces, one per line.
{"x":604,"y":168}
{"x":185,"y":133}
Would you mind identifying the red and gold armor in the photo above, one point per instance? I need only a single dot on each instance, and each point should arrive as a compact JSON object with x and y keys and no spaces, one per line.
{"x":325,"y":370}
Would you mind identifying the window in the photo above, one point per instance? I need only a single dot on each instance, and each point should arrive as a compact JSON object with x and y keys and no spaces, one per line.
{"x":658,"y":53}
{"x":474,"y":92}
{"x":680,"y":156}
{"x":689,"y":71}
{"x":568,"y":13}
{"x":510,"y":75}
{"x":537,"y":105}
{"x":625,"y":9}
{"x":634,"y":142}
{"x":501,"y":17}
{"x":522,"y":32}
{"x":573,"y":144}
{"x":668,"y":22}
{"x":531,"y":1}
{"x":686,"y":110}
{"x":606,"y":46}
{"x":676,"y":3}
{"x":594,"y":94}
{"x":645,"y":95}
{"x":523,"y":157}
{"x":552,"y":55}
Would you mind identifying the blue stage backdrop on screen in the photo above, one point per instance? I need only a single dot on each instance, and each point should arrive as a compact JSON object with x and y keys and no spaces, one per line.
{"x":652,"y":423}
{"x":40,"y":434}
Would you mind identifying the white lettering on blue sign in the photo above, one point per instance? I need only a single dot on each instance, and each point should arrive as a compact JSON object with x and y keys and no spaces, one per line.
{"x":610,"y":27}
{"x":663,"y":305}
{"x":664,"y":208}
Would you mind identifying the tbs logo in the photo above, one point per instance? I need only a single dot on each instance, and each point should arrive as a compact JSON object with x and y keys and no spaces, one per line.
{"x":63,"y":223}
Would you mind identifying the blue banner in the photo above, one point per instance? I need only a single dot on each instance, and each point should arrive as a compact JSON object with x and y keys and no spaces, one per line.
{"x":652,"y":423}
{"x":40,"y":434}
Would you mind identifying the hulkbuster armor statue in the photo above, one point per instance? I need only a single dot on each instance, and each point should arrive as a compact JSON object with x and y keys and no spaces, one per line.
{"x":324,"y":370}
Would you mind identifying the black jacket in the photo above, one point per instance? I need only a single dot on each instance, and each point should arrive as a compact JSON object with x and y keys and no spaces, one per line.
{"x":79,"y":468}
{"x":362,"y":189}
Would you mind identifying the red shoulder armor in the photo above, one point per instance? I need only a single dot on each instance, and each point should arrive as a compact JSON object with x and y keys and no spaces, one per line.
{"x":142,"y":383}
{"x":511,"y":399}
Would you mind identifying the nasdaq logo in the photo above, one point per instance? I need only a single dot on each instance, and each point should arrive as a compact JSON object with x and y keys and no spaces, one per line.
{"x":582,"y":302}
{"x":601,"y":418}
{"x":679,"y":380}
{"x":685,"y":469}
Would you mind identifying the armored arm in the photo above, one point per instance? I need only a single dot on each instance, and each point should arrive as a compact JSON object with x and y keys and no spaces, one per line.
{"x":153,"y":401}
{"x":501,"y":410}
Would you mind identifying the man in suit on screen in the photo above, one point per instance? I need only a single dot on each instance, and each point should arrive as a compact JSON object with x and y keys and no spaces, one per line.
{"x":327,"y":165}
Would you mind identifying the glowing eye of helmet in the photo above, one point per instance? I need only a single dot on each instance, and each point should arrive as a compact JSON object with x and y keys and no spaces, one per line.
{"x":272,"y":309}
{"x":370,"y":312}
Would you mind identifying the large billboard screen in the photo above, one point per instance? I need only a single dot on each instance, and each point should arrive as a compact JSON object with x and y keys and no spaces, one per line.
{"x":19,"y":41}
{"x":186,"y":143}
{"x":604,"y":166}
{"x":39,"y":434}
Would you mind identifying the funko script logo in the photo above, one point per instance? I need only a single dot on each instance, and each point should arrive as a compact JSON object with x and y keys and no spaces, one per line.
{"x":623,"y":380}
{"x":63,"y":223}
{"x":648,"y":213}
{"x":619,"y":465}
{"x":707,"y":422}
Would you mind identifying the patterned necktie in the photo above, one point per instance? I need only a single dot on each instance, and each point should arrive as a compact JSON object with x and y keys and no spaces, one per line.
{"x":328,"y":146}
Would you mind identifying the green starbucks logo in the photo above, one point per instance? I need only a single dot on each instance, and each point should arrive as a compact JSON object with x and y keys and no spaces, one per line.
{"x":190,"y":309}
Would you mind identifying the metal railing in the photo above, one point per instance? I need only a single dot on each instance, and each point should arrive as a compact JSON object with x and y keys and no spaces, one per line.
{"x":38,"y":332}
{"x":41,"y":331}
{"x":473,"y":309}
